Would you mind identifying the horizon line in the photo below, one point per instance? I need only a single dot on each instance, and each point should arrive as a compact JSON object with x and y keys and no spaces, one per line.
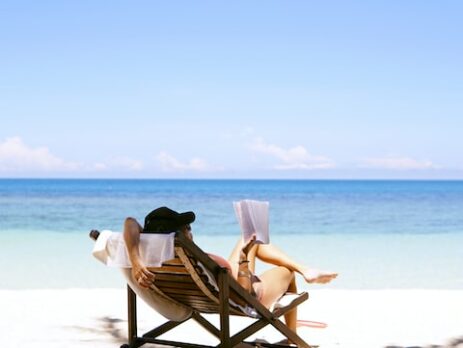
{"x":233,"y":179}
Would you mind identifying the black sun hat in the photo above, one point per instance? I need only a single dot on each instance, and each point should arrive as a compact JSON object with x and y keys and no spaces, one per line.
{"x":164,"y":220}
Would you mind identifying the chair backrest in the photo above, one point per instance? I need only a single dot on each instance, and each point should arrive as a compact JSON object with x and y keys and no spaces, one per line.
{"x":186,"y":280}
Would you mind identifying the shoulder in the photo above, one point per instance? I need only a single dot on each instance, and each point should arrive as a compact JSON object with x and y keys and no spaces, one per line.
{"x":220,"y":261}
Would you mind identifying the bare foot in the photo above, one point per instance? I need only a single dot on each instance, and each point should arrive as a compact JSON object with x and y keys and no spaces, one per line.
{"x":318,"y":276}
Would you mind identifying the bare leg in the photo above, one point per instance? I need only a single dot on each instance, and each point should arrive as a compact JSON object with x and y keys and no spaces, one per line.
{"x":276,"y":282}
{"x":235,"y":256}
{"x":271,"y":254}
{"x":291,"y":316}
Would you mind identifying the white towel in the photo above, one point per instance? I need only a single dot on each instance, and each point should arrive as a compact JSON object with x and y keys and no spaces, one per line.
{"x":154,"y":249}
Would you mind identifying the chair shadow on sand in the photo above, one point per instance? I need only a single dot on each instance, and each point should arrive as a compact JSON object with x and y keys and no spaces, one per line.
{"x":453,"y":343}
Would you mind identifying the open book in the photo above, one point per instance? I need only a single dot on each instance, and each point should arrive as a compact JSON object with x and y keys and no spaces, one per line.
{"x":253,"y":219}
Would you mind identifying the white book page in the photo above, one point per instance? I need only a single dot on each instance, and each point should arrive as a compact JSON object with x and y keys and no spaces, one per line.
{"x":253,"y":218}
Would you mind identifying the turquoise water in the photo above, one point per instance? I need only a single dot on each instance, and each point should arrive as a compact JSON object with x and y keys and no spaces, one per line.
{"x":377,"y":234}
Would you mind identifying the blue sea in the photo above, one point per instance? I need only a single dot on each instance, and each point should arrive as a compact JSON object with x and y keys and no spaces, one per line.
{"x":376,"y":234}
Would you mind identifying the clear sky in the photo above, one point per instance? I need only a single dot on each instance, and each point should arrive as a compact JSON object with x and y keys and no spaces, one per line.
{"x":239,"y":89}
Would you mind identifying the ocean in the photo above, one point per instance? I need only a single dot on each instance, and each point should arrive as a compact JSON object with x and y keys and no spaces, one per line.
{"x":376,"y":234}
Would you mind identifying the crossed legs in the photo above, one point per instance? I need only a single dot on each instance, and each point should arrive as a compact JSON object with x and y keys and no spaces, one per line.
{"x":269,"y":253}
{"x":275,"y":281}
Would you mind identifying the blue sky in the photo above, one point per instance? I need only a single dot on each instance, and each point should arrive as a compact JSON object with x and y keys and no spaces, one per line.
{"x":243,"y":89}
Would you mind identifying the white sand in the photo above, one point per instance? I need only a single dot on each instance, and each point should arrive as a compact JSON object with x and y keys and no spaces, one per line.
{"x":355,"y":318}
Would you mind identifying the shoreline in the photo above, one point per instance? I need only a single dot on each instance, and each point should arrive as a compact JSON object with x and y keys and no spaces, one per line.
{"x":363,"y":261}
{"x":362,"y":318}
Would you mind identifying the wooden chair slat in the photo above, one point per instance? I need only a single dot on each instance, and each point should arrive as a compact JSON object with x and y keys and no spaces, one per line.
{"x":173,"y":262}
{"x":194,"y":275}
{"x":169,"y":270}
{"x":201,"y":296}
{"x":178,"y":277}
{"x":175,"y":285}
{"x":189,"y":292}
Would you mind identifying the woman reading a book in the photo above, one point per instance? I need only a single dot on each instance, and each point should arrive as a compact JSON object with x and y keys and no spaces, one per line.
{"x":267,"y":287}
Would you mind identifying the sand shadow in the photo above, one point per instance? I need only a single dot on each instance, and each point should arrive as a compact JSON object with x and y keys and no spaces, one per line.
{"x":453,"y":343}
{"x":106,"y":326}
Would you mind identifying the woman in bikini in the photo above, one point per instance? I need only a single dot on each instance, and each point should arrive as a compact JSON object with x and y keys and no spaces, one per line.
{"x":267,"y":287}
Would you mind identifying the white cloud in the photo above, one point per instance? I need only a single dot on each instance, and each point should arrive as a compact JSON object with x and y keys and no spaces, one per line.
{"x":169,"y":163}
{"x":397,"y":163}
{"x":100,"y":167}
{"x":124,"y":163}
{"x":294,"y":158}
{"x":17,"y":157}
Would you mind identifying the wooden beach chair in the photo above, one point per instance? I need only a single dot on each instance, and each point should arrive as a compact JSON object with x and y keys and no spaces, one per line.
{"x":195,"y":280}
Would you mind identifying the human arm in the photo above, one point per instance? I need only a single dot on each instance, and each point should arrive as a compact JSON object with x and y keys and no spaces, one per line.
{"x":131,"y":235}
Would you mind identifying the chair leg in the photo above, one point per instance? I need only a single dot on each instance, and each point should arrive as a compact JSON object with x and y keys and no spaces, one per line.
{"x":206,"y":324}
{"x":162,"y":329}
{"x":248,"y":331}
{"x":294,"y":337}
{"x":132,"y":316}
{"x":225,"y":341}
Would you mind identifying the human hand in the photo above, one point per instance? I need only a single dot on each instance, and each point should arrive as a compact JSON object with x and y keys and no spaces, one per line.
{"x":142,"y":275}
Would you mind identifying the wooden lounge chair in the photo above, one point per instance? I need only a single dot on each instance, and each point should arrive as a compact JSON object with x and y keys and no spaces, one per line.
{"x":195,"y":280}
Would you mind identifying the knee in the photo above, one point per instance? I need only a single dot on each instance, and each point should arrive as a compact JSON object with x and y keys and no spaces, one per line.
{"x":292,"y":275}
{"x":292,"y":287}
{"x":289,"y":274}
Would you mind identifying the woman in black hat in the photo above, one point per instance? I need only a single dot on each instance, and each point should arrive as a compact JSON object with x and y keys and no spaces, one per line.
{"x":267,"y":287}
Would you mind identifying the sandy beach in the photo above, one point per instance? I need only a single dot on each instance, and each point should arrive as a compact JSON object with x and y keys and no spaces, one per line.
{"x":354,"y":318}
